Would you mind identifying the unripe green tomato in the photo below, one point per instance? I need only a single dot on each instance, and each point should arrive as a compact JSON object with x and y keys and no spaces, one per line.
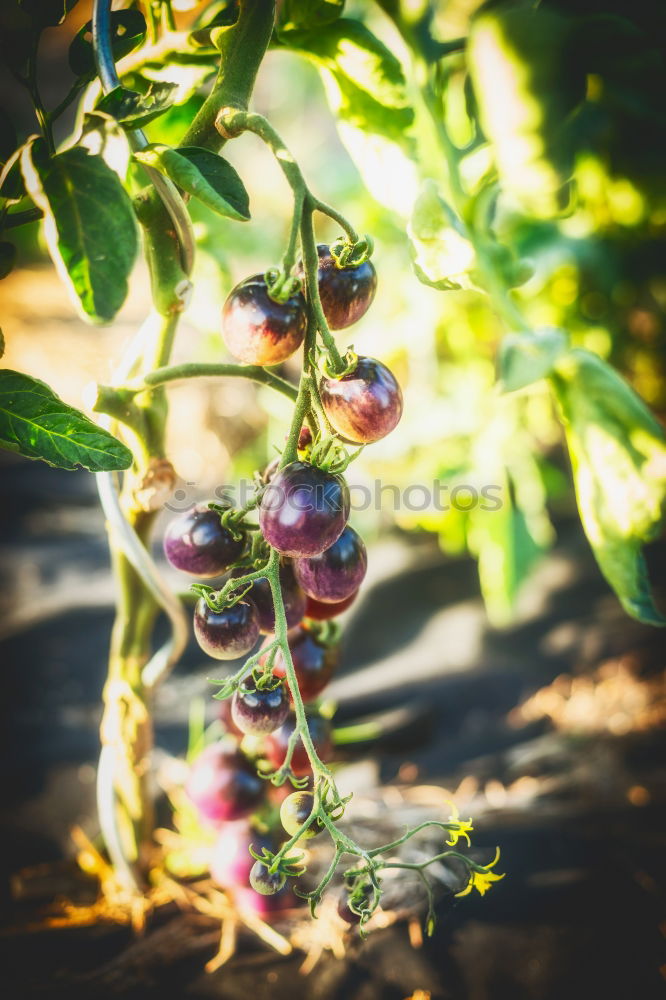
{"x":295,"y":810}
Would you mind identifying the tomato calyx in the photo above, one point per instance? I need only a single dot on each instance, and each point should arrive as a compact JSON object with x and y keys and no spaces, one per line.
{"x":350,"y":360}
{"x":280,"y":286}
{"x":347,"y":254}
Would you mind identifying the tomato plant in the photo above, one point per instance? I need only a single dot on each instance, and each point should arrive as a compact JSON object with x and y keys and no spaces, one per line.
{"x":456,"y":121}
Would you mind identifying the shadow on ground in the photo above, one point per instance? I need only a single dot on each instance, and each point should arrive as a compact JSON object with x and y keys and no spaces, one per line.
{"x":579,"y":913}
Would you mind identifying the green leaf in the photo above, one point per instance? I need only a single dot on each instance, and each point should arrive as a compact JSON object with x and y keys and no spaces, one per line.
{"x":203,"y":174}
{"x":133,"y":110}
{"x":222,"y":14}
{"x":364,"y":81}
{"x":525,"y":358}
{"x":510,"y":532}
{"x":37,"y":424}
{"x":527,"y":85}
{"x":170,"y":127}
{"x":128,"y":30}
{"x":618,"y":456}
{"x":47,"y":13}
{"x":89,"y":224}
{"x":308,"y":14}
{"x":443,"y":257}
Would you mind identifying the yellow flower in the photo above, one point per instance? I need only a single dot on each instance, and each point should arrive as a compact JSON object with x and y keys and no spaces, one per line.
{"x":464,"y":827}
{"x":481,"y":881}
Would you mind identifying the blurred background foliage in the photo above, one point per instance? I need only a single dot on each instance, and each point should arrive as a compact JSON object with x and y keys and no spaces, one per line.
{"x":541,"y":127}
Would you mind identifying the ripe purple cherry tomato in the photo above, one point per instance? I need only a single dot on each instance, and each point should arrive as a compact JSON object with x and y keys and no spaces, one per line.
{"x":195,"y":542}
{"x":337,"y":573}
{"x":321,"y":612}
{"x":365,"y":405}
{"x":228,"y":634}
{"x":257,"y":329}
{"x":346,"y":293}
{"x":314,"y":663}
{"x":258,"y":711}
{"x":276,"y":745}
{"x":223,"y":784}
{"x":292,"y":597}
{"x":303,"y":510}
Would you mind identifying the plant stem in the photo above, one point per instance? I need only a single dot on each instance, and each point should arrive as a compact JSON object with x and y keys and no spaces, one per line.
{"x":33,"y":87}
{"x":66,"y":101}
{"x":281,"y":634}
{"x":332,"y":213}
{"x":176,"y":373}
{"x":242,"y":47}
{"x":231,"y":122}
{"x":126,"y":726}
{"x":311,"y":268}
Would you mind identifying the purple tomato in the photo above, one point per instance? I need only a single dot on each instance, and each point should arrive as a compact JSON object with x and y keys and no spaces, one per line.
{"x":258,"y":711}
{"x":257,"y":329}
{"x":346,"y":293}
{"x":228,"y":634}
{"x":223,"y":784}
{"x":196,"y":543}
{"x":276,"y":745}
{"x":364,"y":405}
{"x":293,"y":599}
{"x":314,"y":662}
{"x":303,"y":510}
{"x":337,"y":573}
{"x":320,"y":612}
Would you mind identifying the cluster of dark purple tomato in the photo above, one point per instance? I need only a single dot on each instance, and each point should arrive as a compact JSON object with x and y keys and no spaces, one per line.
{"x":303,"y":514}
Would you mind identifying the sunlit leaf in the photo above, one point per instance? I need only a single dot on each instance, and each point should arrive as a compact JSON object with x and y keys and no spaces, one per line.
{"x":170,"y":127}
{"x":525,"y":358}
{"x":203,"y":174}
{"x":307,"y":14}
{"x":509,"y":528}
{"x":618,"y":456}
{"x":89,"y":224}
{"x":526,"y":87}
{"x":364,"y":81}
{"x":443,"y":257}
{"x":37,"y":424}
{"x":222,"y":14}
